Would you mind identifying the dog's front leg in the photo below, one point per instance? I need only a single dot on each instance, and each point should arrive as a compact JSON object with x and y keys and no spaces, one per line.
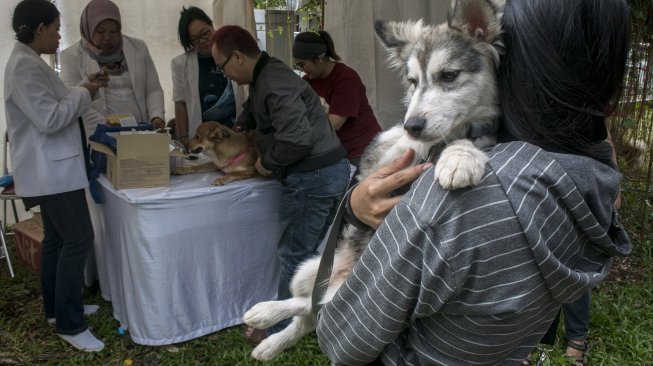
{"x":461,"y":164}
{"x":233,"y":176}
{"x":202,"y":168}
{"x":269,"y":313}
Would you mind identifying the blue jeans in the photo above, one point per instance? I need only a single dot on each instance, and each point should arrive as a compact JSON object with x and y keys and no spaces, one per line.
{"x":68,"y":236}
{"x":308,"y":204}
{"x":577,"y":318}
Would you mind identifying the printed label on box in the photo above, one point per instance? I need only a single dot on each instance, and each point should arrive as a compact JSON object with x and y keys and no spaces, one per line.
{"x":29,"y":235}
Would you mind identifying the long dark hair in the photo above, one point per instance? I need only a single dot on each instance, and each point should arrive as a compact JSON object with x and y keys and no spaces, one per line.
{"x":320,"y":37}
{"x":28,"y":14}
{"x":563,"y":70}
{"x":187,"y":16}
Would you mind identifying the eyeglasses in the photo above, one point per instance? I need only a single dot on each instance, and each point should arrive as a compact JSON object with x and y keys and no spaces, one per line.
{"x":221,"y":67}
{"x":299,"y":65}
{"x":204,"y":35}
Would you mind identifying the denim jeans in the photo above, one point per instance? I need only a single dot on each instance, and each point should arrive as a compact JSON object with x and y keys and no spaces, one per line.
{"x":577,"y":318}
{"x":307,"y":207}
{"x":68,"y":236}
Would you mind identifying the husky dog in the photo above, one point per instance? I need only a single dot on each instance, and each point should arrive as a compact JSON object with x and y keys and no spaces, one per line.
{"x":452,"y":110}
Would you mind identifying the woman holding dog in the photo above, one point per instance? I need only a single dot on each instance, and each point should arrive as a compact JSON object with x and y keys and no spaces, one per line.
{"x":476,"y":276}
{"x":200,"y":91}
{"x":134,"y":88}
{"x":49,"y":169}
{"x":341,"y":90}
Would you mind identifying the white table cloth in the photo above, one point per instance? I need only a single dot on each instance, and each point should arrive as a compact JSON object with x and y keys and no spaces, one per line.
{"x":183,"y":261}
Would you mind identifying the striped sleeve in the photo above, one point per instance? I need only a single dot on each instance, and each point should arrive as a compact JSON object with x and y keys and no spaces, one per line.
{"x":379,"y":298}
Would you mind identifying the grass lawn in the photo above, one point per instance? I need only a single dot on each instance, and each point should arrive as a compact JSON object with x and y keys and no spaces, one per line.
{"x":621,"y":329}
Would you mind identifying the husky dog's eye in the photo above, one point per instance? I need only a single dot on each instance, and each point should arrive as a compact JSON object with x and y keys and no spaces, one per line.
{"x":449,"y":76}
{"x":412,"y":81}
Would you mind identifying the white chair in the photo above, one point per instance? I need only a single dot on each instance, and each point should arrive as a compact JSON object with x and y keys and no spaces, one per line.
{"x":7,"y":194}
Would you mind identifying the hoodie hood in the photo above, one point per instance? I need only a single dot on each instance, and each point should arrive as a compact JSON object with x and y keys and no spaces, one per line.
{"x":574,"y":254}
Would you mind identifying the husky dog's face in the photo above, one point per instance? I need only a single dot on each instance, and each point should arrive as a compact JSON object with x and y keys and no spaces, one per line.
{"x":449,"y":69}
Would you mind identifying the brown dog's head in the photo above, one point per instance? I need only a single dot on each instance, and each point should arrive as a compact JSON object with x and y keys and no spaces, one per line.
{"x":220,"y":143}
{"x":208,"y":136}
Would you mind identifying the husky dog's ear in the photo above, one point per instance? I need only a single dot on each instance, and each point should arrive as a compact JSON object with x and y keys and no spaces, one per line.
{"x":478,"y":18}
{"x":394,"y":36}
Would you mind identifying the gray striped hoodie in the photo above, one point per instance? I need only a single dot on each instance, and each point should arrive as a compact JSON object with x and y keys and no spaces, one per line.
{"x":475,"y":276}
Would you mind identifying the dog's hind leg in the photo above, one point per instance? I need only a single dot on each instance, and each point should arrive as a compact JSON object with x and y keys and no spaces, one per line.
{"x":288,"y":337}
{"x":268,"y":313}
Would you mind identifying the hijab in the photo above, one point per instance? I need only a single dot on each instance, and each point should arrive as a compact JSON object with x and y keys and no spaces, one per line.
{"x":93,"y":14}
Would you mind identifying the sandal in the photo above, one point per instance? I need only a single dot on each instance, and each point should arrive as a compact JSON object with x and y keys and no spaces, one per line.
{"x":580,"y":360}
{"x":254,"y":336}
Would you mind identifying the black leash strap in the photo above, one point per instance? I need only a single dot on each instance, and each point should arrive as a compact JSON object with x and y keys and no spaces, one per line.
{"x":85,"y":149}
{"x":326,"y":262}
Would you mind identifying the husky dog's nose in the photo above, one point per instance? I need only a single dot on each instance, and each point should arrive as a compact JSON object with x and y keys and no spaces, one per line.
{"x":414,"y":126}
{"x":197,"y":150}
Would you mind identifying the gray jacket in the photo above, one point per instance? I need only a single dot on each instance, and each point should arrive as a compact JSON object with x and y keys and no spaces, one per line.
{"x":475,"y":276}
{"x":293,"y":134}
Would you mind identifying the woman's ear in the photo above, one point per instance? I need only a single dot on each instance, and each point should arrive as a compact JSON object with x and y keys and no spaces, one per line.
{"x":40,"y":29}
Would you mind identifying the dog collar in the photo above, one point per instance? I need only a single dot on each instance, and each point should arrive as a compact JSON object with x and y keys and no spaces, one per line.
{"x":239,"y":157}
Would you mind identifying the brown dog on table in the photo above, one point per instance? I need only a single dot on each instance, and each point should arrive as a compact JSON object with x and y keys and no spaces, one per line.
{"x":231,"y":152}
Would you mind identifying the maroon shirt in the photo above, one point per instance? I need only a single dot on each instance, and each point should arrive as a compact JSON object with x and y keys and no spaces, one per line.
{"x":344,"y":91}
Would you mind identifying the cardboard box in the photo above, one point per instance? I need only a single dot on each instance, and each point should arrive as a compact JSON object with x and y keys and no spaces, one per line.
{"x":29,"y":235}
{"x":140,"y":160}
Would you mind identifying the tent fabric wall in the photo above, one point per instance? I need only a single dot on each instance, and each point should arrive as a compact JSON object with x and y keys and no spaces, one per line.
{"x":239,"y":12}
{"x":351,"y":25}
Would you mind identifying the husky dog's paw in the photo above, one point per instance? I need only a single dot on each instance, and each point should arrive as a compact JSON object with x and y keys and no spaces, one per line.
{"x":265,"y":314}
{"x":269,"y":348}
{"x":461,"y":164}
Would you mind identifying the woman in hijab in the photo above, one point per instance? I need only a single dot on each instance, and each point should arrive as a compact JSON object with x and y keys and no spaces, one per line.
{"x":134,"y":88}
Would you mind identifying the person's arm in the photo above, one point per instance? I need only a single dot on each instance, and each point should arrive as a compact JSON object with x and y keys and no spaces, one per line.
{"x":50,"y":114}
{"x":292,"y":131}
{"x":372,"y":199}
{"x":336,"y":121}
{"x":153,"y":92}
{"x":71,"y":75}
{"x":245,"y":121}
{"x":345,"y":99}
{"x":181,"y":120}
{"x":401,"y":268}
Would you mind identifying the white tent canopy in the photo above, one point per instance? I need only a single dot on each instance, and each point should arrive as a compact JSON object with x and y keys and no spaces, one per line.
{"x":351,"y":23}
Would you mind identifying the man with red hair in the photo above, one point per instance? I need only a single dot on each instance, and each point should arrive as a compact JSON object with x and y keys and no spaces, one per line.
{"x":296,"y":145}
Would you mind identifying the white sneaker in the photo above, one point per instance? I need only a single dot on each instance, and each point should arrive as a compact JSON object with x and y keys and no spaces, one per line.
{"x":84,"y":341}
{"x":88,"y":310}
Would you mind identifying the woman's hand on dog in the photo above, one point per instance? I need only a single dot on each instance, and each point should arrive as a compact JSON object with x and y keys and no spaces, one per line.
{"x":372,"y":199}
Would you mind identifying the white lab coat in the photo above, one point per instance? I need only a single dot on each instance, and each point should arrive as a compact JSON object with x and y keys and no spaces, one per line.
{"x":42,"y":123}
{"x":185,"y":88}
{"x":76,"y":65}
